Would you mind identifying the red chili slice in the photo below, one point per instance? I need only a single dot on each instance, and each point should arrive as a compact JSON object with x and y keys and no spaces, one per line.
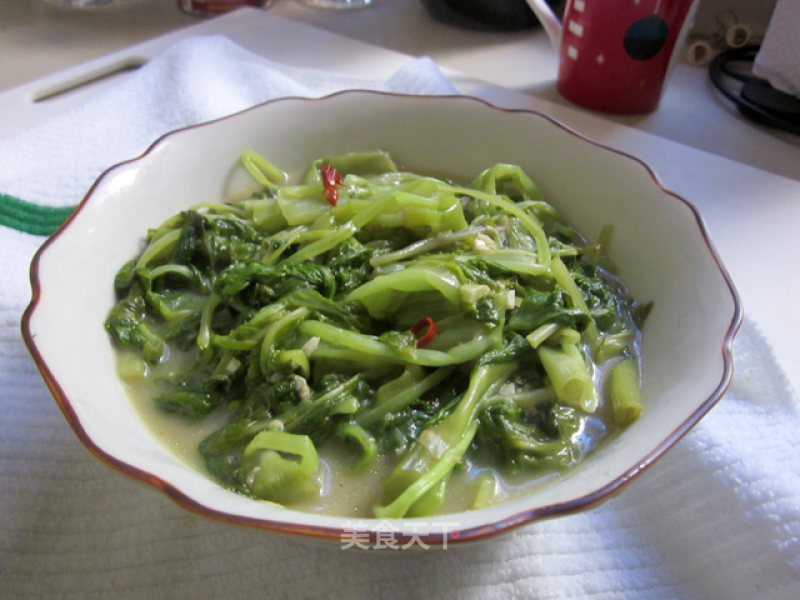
{"x":427,"y":328}
{"x":330,"y":179}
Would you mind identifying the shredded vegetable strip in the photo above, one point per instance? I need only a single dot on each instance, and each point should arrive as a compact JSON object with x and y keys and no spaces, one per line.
{"x":404,"y":317}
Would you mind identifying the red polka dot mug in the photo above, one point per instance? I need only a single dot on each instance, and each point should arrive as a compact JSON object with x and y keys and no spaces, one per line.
{"x":615,"y":55}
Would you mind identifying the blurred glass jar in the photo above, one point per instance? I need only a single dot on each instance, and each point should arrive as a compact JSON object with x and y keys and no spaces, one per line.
{"x":87,"y":3}
{"x":216,"y":7}
{"x":337,"y":4}
{"x":497,"y":15}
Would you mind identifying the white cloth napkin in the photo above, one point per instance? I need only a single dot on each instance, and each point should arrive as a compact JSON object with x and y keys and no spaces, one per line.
{"x":195,"y":80}
{"x":717,"y":518}
{"x":778,"y":60}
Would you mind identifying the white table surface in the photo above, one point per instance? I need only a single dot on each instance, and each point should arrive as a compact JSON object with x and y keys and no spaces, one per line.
{"x":37,"y":39}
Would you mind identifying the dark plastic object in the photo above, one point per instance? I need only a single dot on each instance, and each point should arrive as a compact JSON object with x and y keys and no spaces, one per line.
{"x":494,"y":15}
{"x":730,"y":72}
{"x":760,"y":92}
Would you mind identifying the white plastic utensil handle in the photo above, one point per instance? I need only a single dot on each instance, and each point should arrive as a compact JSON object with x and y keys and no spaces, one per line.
{"x":549,"y":21}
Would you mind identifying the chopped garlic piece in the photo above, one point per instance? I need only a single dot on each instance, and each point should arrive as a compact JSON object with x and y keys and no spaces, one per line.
{"x":301,"y":385}
{"x":311,"y":345}
{"x":507,"y":389}
{"x":511,"y":299}
{"x":482,"y":242}
{"x":432,"y":443}
{"x":472,"y":292}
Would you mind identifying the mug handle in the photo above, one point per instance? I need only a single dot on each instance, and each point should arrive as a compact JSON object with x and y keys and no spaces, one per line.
{"x":549,"y":21}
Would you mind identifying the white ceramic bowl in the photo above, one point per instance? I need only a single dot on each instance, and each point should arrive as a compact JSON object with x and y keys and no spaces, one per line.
{"x":660,"y":246}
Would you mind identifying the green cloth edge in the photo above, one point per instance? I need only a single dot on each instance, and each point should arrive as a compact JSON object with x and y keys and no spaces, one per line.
{"x":31,"y":218}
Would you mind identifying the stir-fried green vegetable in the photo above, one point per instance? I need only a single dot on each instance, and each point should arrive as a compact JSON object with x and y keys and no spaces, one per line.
{"x":404,"y":316}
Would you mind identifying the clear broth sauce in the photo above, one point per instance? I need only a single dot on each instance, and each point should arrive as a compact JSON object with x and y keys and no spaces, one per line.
{"x":345,"y":493}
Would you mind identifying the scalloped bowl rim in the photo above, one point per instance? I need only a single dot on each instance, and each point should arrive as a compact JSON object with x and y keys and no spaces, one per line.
{"x":459,"y":527}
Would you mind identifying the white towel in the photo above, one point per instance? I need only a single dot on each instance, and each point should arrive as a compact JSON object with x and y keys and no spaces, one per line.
{"x":778,"y":59}
{"x":717,"y":518}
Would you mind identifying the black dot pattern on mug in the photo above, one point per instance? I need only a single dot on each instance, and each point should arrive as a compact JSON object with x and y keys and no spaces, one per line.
{"x":646,"y":37}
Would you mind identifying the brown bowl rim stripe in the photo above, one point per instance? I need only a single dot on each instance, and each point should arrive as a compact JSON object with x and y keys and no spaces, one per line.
{"x":472,"y":534}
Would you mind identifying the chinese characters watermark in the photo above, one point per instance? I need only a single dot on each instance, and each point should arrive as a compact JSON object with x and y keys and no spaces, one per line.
{"x":388,"y":535}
